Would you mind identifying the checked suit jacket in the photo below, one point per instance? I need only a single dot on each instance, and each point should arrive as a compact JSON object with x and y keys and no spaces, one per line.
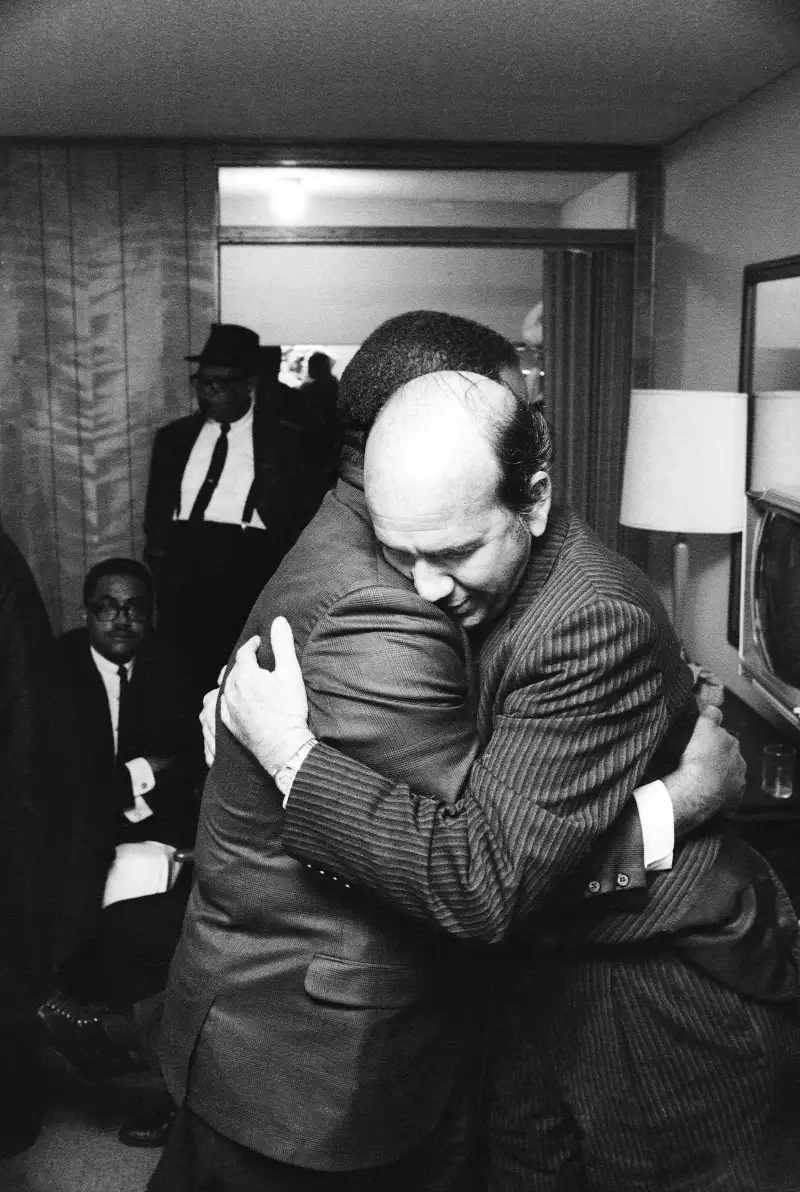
{"x":583,"y":695}
{"x":304,"y":1018}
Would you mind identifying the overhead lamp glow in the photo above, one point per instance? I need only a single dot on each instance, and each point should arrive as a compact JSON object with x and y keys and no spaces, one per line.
{"x":288,"y":200}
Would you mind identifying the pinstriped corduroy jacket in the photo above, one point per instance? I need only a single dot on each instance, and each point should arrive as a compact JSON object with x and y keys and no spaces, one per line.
{"x":582,"y":695}
{"x":302,"y":1018}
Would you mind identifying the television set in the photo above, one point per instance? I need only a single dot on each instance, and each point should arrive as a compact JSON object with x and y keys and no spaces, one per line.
{"x":769,"y":639}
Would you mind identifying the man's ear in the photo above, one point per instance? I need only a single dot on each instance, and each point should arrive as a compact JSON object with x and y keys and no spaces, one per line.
{"x":83,"y":615}
{"x":541,"y":499}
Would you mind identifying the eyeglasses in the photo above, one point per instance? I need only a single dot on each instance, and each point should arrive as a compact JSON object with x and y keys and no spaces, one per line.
{"x":218,"y":384}
{"x":107,"y":610}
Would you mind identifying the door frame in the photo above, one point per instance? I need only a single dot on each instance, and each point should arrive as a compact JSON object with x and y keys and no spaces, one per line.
{"x":644,"y":162}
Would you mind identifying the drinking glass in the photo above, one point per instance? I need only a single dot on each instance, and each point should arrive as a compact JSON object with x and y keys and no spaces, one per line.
{"x":777,"y":771}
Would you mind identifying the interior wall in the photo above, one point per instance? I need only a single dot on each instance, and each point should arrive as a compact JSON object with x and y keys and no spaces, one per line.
{"x":608,"y":204}
{"x":730,"y":200}
{"x":337,"y":294}
{"x":107,"y":282}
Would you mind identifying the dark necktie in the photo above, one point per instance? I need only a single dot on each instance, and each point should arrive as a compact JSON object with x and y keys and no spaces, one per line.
{"x":217,"y":463}
{"x":125,"y":745}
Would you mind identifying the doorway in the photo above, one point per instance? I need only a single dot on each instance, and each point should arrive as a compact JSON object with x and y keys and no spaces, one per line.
{"x":318,"y":258}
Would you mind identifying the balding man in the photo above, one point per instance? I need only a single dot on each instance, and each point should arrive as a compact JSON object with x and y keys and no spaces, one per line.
{"x":647,"y":1052}
{"x":315,"y":1039}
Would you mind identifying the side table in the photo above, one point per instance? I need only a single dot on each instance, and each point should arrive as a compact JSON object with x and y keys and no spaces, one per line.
{"x":771,"y":826}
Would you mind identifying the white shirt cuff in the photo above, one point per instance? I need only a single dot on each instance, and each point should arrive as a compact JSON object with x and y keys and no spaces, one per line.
{"x":143,"y":780}
{"x":284,"y":777}
{"x":142,"y":777}
{"x":658,"y":825}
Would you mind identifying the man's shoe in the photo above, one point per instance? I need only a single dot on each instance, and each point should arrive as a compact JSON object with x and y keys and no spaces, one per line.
{"x":151,"y":1129}
{"x":77,"y":1032}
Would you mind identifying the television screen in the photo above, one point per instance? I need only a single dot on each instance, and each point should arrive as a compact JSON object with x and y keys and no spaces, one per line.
{"x":776,"y":596}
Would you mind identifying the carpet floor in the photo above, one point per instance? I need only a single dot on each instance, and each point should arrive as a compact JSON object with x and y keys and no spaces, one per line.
{"x":78,"y":1149}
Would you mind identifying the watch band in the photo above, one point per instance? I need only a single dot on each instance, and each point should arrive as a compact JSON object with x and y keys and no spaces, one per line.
{"x":285,"y":775}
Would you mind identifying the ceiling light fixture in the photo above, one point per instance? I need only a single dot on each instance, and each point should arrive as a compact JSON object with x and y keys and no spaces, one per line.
{"x":288,"y":200}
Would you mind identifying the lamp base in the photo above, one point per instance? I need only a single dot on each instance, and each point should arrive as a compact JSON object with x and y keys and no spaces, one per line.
{"x":680,"y":582}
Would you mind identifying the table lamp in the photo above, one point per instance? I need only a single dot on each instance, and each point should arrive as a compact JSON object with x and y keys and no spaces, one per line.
{"x":775,"y":450}
{"x":684,"y":470}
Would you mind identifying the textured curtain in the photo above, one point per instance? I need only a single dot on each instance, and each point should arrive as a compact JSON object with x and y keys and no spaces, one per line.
{"x":587,"y":321}
{"x":107,"y":280}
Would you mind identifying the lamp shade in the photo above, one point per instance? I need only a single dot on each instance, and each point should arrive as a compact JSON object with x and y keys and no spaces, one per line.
{"x":685,"y":461}
{"x":775,"y":457}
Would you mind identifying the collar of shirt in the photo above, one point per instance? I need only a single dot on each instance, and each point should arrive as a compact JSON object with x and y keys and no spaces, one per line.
{"x":238,"y":429}
{"x":107,"y":668}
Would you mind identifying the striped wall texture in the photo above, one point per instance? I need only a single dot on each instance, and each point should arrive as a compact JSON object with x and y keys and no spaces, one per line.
{"x":107,"y":280}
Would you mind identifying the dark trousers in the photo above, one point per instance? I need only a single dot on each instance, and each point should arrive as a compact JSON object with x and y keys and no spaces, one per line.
{"x":640,"y":1074}
{"x":129,"y":958}
{"x":206,"y":583}
{"x":21,"y":1088}
{"x":199,"y":1159}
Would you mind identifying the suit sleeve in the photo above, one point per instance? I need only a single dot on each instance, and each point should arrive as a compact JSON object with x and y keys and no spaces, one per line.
{"x":389,"y":681}
{"x":571,"y":738}
{"x":168,"y":711}
{"x":160,"y":492}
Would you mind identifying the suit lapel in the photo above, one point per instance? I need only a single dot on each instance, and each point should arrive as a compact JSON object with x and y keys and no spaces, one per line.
{"x":545,"y":552}
{"x":96,"y":713}
{"x":185,"y":439}
{"x":142,"y":692}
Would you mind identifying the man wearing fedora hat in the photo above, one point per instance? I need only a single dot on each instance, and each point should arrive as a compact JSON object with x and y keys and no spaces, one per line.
{"x":229,"y":493}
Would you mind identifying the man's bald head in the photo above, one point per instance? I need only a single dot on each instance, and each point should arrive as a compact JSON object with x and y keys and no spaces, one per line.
{"x":442,"y":416}
{"x":456,"y":490}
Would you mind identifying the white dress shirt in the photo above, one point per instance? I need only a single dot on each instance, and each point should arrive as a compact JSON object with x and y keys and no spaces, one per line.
{"x":230,"y":496}
{"x":142,"y":777}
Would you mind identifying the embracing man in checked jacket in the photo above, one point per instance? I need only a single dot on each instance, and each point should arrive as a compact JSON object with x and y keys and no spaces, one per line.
{"x":306,"y":1025}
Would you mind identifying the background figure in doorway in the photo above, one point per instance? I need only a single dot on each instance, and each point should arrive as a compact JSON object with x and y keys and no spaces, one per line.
{"x":229,"y":492}
{"x":271,"y":393}
{"x":317,"y":400}
{"x":319,"y":392}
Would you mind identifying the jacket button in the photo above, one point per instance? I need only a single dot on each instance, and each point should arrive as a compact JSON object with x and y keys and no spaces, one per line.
{"x":594,"y":887}
{"x":622,"y":880}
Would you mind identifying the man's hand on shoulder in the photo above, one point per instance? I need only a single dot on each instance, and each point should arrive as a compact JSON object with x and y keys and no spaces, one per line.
{"x":208,"y":721}
{"x":710,"y":779}
{"x":267,"y":711}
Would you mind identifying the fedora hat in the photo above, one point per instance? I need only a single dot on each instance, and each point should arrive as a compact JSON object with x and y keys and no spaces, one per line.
{"x":229,"y":346}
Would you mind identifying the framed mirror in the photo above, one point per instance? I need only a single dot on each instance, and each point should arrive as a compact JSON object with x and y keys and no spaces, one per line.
{"x":769,"y":372}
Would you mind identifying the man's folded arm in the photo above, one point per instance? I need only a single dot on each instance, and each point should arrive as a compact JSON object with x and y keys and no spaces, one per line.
{"x":464,"y":864}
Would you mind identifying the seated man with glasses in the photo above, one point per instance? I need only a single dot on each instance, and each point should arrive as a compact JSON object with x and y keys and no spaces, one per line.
{"x":231,"y":487}
{"x":141,"y":745}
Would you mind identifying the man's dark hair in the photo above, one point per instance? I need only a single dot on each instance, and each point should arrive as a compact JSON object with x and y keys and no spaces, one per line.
{"x":524,"y":447}
{"x":319,"y":365}
{"x":408,"y":346}
{"x":120,"y":566}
